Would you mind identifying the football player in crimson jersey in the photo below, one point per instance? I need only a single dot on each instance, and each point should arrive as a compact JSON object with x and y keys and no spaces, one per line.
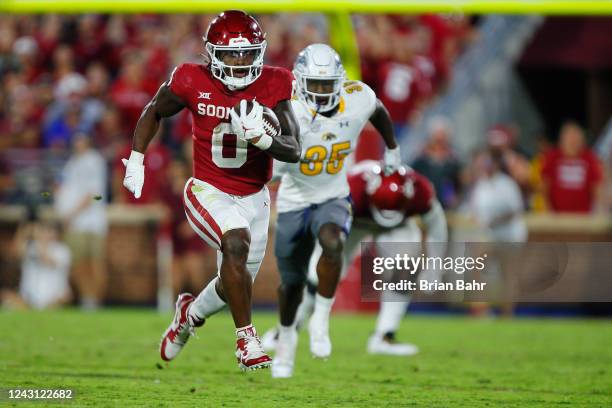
{"x":226,"y":201}
{"x":384,"y":208}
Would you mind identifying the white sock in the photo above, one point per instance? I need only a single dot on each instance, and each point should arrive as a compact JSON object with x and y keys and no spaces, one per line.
{"x":207,"y":303}
{"x":305,"y":308}
{"x":389,"y":316}
{"x":286,"y":331}
{"x":322,"y":306}
{"x":246,"y":331}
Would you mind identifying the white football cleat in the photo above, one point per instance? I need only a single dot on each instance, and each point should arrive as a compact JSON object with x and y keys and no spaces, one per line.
{"x":249,"y":353}
{"x":181,"y":328}
{"x":284,"y":359}
{"x":320,"y":344}
{"x":269,"y":339}
{"x":386,"y":345}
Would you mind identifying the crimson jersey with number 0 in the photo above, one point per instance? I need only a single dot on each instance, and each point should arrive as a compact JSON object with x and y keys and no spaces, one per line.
{"x":422,"y":192}
{"x":219,"y":158}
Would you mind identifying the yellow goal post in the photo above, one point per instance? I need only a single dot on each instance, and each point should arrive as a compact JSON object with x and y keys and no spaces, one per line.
{"x":342,"y":35}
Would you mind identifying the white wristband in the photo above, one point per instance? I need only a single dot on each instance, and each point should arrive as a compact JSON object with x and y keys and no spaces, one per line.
{"x":136,"y":157}
{"x":264,"y":142}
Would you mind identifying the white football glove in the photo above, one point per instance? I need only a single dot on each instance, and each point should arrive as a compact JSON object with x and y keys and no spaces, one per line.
{"x":134,"y":173}
{"x":248,"y":126}
{"x":391,"y":160}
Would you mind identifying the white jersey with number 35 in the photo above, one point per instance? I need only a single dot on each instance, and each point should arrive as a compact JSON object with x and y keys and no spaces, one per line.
{"x":326,"y":142}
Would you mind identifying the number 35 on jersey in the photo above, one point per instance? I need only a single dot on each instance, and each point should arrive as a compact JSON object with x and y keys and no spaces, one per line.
{"x":326,"y":142}
{"x":318,"y":157}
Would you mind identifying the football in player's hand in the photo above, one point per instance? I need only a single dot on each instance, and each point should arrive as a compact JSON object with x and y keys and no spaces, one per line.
{"x":270,"y":121}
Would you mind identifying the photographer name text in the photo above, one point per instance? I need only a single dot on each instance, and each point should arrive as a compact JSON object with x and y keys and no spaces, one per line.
{"x":424,"y":285}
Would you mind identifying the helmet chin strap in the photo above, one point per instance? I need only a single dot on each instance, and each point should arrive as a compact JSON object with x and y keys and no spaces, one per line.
{"x":234,"y":87}
{"x":329,"y":111}
{"x":230,"y":86}
{"x":314,"y":115}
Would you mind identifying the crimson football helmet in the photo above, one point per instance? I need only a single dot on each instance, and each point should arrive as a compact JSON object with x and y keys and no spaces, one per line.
{"x":389,"y":195}
{"x":235,"y":36}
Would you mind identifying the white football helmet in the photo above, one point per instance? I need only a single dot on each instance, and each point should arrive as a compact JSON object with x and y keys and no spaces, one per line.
{"x":314,"y":66}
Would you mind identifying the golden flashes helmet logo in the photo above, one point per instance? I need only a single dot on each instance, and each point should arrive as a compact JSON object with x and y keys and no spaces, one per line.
{"x":329,"y":137}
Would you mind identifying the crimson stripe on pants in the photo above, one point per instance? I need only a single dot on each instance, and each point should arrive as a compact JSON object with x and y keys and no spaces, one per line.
{"x":216,"y":233}
{"x":202,"y":229}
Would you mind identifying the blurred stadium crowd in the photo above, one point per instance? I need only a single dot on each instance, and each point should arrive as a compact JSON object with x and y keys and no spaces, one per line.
{"x":91,"y":75}
{"x":72,"y":89}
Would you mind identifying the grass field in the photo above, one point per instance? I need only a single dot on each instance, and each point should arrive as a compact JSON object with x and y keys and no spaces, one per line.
{"x":110,"y":359}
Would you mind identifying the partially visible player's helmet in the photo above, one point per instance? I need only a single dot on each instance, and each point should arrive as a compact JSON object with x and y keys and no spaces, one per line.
{"x":319,"y":75}
{"x":389,"y":195}
{"x":236,"y":37}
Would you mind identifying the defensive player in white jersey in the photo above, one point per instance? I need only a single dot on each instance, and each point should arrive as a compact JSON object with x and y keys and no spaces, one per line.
{"x":313,"y":199}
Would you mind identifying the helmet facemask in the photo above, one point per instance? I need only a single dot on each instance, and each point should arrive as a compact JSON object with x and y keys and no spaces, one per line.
{"x":321,"y":93}
{"x":236,"y":65}
{"x":387,"y":218}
